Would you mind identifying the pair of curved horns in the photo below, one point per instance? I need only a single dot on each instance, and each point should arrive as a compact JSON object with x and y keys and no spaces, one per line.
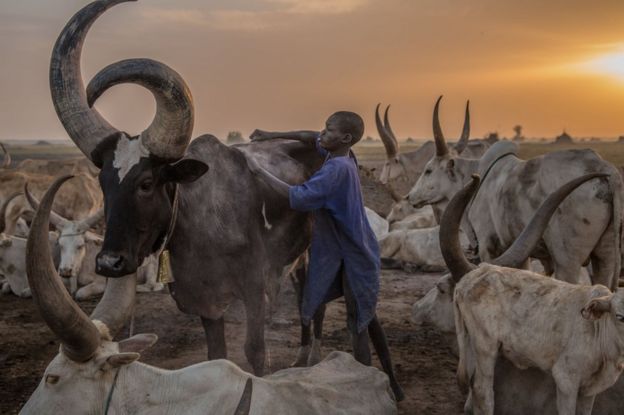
{"x":59,"y":221}
{"x":79,"y":336}
{"x":520,"y":250}
{"x":169,"y":133}
{"x":386,"y":134}
{"x":438,"y":136}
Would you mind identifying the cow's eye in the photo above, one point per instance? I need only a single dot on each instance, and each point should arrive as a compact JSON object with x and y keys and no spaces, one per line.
{"x":620,"y":317}
{"x":146,"y":185}
{"x":428,"y":171}
{"x":52,"y":379}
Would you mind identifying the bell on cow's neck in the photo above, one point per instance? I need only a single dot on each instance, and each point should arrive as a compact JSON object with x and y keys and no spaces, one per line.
{"x":165,"y":273}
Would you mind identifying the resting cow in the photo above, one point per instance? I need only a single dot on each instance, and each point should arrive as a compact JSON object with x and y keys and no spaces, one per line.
{"x":571,"y":331}
{"x":93,"y":374}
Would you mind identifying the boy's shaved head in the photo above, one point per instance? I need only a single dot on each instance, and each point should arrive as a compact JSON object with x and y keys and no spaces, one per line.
{"x":349,"y":122}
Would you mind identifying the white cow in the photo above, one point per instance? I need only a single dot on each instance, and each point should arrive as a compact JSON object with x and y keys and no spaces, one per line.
{"x":379,"y":224}
{"x":404,"y":216}
{"x":78,"y":249}
{"x":93,"y":374}
{"x":416,"y":248}
{"x":12,"y":257}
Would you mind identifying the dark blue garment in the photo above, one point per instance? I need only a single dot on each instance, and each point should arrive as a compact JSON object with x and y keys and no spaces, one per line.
{"x":341,"y":234}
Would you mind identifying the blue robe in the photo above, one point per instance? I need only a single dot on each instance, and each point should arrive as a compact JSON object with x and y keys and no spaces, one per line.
{"x":341,"y":236}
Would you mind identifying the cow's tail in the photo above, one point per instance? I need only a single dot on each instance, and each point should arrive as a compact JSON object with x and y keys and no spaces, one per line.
{"x":464,"y":346}
{"x":615,"y":184}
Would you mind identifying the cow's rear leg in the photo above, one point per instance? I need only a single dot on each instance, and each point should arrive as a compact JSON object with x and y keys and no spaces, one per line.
{"x":378,"y":337}
{"x":254,"y":341}
{"x":604,"y":261}
{"x":215,"y":338}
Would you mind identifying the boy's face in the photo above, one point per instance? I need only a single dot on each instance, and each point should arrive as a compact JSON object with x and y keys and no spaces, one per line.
{"x":332,"y":137}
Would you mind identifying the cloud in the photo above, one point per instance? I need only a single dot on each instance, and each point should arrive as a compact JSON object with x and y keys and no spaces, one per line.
{"x":273,"y":14}
{"x":319,"y":6}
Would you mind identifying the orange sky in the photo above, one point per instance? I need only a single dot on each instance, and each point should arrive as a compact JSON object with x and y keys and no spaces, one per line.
{"x":288,"y":64}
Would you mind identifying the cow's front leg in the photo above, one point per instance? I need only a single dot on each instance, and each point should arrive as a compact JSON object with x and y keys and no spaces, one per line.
{"x":254,"y":343}
{"x":215,"y":338}
{"x":483,"y":386}
{"x":567,"y":391}
{"x":584,"y":405}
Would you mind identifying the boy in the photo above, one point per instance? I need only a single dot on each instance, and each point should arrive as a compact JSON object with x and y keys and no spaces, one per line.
{"x":344,"y":255}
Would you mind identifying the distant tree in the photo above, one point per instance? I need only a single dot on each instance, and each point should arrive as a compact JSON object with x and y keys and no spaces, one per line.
{"x":235,"y":137}
{"x":518,"y":133}
{"x":42,"y":143}
{"x":491,"y":137}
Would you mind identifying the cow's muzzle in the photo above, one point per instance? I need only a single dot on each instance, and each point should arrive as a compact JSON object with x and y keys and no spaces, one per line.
{"x":113,"y":265}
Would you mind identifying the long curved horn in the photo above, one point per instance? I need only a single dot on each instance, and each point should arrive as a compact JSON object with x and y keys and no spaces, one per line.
{"x":389,"y":129}
{"x":169,"y":134}
{"x":86,"y":127}
{"x":465,"y":136}
{"x":388,"y":142}
{"x":6,"y":163}
{"x":79,"y":336}
{"x":3,"y":210}
{"x":57,"y":220}
{"x":244,"y":405}
{"x":521,"y":249}
{"x":438,"y":137}
{"x":451,"y":248}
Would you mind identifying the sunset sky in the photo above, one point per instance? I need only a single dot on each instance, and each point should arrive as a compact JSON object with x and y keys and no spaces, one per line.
{"x":288,"y":64}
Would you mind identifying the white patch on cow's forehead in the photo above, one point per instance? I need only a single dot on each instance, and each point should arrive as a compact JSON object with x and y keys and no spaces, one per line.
{"x":128,"y":154}
{"x":267,"y":225}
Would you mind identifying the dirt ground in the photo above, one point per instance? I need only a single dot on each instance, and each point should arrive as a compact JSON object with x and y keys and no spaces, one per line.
{"x":423,"y":361}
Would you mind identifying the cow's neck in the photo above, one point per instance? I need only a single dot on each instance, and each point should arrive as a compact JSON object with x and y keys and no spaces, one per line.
{"x":143,"y":389}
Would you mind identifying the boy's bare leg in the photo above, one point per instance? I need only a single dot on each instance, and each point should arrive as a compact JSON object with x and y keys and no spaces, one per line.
{"x":359,"y":341}
{"x":315,"y":351}
{"x":378,"y":337}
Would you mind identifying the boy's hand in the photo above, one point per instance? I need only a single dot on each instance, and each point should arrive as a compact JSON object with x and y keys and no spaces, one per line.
{"x":260,"y":135}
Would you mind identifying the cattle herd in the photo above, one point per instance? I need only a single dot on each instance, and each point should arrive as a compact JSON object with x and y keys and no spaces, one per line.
{"x":530,"y":302}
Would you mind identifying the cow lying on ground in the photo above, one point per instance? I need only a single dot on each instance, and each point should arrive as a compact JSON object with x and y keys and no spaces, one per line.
{"x":93,"y":374}
{"x":78,"y":249}
{"x":377,"y":223}
{"x":573,"y":332}
{"x":13,"y":257}
{"x":404,"y":216}
{"x":415,"y":249}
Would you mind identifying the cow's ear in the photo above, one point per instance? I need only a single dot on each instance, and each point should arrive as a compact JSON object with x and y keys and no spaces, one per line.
{"x":184,"y":171}
{"x":137,"y":343}
{"x":596,"y":307}
{"x":121,"y":359}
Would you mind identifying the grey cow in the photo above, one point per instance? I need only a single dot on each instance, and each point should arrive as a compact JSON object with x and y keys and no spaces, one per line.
{"x":587,"y":227}
{"x":401,"y":170}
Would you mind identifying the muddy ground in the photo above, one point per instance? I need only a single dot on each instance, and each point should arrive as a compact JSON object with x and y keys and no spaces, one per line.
{"x":423,"y":361}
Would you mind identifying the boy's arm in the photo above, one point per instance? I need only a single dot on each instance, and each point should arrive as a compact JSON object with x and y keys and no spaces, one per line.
{"x":308,"y":137}
{"x":281,"y":187}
